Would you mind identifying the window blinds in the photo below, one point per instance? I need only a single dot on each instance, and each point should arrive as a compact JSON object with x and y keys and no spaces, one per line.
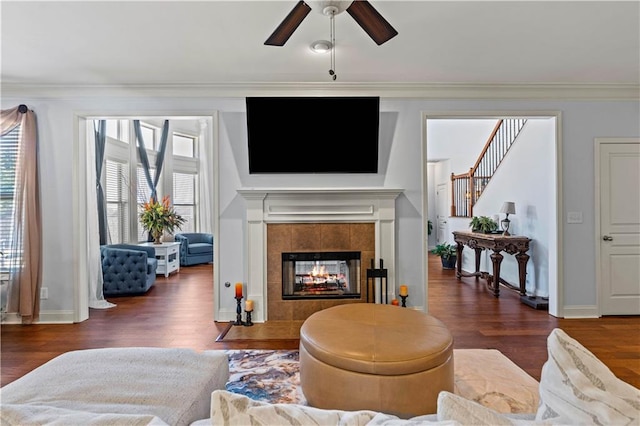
{"x":184,"y":199}
{"x":8,"y":161}
{"x":116,"y":192}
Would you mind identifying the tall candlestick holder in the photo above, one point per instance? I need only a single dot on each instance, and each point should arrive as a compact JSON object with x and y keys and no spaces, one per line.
{"x":238,"y":312}
{"x":248,"y":322}
{"x":404,"y":300}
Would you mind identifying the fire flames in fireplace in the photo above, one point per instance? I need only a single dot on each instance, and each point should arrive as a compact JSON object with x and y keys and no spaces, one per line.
{"x":318,"y":279}
{"x":312,"y":275}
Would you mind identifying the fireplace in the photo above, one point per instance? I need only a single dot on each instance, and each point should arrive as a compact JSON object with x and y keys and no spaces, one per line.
{"x":307,"y":220}
{"x":321,"y":275}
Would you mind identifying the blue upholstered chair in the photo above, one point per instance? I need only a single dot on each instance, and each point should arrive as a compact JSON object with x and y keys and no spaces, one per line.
{"x":195,"y":248}
{"x":127,"y":269}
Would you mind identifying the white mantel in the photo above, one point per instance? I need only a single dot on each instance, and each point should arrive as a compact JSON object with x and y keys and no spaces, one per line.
{"x":314,"y":205}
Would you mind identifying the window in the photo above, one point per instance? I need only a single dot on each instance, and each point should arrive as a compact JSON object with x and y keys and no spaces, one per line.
{"x":8,"y":160}
{"x":149,"y":136}
{"x":125,"y":184}
{"x":185,"y":180}
{"x":184,"y":199}
{"x":143,"y":195}
{"x":118,"y":129}
{"x":183,"y":145}
{"x":117,"y":198}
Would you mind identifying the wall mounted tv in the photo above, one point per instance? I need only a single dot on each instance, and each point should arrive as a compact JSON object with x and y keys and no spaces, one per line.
{"x":313,"y":134}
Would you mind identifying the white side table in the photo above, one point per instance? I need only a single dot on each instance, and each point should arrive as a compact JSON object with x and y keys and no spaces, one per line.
{"x":168,"y":255}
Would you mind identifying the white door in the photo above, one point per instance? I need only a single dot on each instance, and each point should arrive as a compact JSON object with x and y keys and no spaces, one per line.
{"x":619,"y":225}
{"x":442,"y":201}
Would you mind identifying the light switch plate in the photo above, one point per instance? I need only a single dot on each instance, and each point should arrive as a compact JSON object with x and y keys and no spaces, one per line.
{"x":574,"y":217}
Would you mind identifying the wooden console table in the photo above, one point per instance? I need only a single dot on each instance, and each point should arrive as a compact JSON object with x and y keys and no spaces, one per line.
{"x":497,"y":243}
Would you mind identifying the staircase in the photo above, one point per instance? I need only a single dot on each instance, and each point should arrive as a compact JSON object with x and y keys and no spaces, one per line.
{"x":467,"y":187}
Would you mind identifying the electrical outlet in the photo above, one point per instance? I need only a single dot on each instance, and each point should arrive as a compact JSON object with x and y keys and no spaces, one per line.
{"x":44,"y":293}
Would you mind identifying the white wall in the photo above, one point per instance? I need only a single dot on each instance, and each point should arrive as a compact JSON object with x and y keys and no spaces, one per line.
{"x":458,"y":139}
{"x":582,"y":121}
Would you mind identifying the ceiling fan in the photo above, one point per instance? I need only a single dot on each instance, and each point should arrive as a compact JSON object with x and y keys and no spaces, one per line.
{"x":360,"y":10}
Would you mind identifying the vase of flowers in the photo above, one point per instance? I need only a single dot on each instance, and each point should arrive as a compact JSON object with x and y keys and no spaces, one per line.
{"x":157,"y":217}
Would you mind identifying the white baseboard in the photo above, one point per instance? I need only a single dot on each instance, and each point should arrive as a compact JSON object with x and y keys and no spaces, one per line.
{"x":587,"y":311}
{"x":46,"y":317}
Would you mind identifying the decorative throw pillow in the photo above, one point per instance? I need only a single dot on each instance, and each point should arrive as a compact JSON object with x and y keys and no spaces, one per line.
{"x":466,"y":412}
{"x":576,"y":385}
{"x":382,"y":419}
{"x":231,"y":409}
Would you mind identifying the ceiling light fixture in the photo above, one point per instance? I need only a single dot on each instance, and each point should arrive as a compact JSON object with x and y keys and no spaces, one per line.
{"x":320,"y":46}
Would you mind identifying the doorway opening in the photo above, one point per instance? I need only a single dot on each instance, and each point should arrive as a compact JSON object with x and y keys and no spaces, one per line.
{"x":529,"y":175}
{"x":183,"y":128}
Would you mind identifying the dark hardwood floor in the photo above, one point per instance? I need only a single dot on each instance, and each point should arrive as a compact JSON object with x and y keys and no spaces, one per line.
{"x":178,"y":312}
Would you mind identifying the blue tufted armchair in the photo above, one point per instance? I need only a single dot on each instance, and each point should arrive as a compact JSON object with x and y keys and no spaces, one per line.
{"x":195,"y":247}
{"x":127,"y":269}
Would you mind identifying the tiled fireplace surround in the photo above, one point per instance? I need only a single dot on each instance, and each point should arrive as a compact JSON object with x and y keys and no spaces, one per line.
{"x":312,"y":237}
{"x":309,"y":220}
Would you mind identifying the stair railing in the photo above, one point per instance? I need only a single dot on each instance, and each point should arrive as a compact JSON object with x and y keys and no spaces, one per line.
{"x":467,"y":187}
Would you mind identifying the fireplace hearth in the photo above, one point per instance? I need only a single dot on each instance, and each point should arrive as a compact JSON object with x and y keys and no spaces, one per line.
{"x":321,"y":275}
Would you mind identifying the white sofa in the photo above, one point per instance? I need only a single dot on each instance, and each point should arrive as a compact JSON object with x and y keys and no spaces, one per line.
{"x":152,"y":386}
{"x":117,"y":386}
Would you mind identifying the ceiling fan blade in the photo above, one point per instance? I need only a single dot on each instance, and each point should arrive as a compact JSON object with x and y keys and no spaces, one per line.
{"x":289,"y":24}
{"x":371,"y":21}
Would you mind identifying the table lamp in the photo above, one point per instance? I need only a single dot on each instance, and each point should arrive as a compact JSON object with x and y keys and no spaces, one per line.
{"x":509,"y":207}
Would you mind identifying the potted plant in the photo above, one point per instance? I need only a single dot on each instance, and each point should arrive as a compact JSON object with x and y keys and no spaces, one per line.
{"x":157,"y":217}
{"x":483,"y":224}
{"x":447,"y":253}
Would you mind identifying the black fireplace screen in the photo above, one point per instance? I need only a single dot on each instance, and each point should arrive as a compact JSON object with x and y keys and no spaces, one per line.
{"x":323,"y":275}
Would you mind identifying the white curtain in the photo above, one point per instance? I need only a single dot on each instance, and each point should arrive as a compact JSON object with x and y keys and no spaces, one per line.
{"x":96,"y":296}
{"x":205,"y":172}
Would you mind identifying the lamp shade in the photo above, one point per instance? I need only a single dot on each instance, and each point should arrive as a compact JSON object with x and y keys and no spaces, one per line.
{"x":509,"y":207}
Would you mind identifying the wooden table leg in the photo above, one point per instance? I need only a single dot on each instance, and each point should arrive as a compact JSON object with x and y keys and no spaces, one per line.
{"x":522,"y":259}
{"x":496,"y":259}
{"x":459,"y":248}
{"x":478,"y":251}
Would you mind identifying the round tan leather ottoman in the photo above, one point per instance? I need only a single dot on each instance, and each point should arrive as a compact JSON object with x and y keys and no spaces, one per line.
{"x":367,"y":356}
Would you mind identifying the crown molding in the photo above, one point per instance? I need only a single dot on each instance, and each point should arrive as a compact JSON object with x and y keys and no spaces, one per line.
{"x":530,"y":91}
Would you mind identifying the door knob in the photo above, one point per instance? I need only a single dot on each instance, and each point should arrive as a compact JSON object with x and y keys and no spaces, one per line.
{"x":607,"y":238}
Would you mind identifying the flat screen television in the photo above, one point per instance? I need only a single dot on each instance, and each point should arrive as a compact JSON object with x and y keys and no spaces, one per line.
{"x":313,"y":134}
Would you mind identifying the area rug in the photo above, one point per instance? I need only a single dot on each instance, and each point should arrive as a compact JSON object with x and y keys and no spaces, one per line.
{"x":482,"y":375}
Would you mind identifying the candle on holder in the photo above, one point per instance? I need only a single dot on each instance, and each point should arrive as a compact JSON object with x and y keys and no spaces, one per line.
{"x":248,"y":305}
{"x":403,"y":290}
{"x":239,"y":290}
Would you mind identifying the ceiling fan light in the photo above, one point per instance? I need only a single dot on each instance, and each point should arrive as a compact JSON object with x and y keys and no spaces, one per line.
{"x":321,"y":46}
